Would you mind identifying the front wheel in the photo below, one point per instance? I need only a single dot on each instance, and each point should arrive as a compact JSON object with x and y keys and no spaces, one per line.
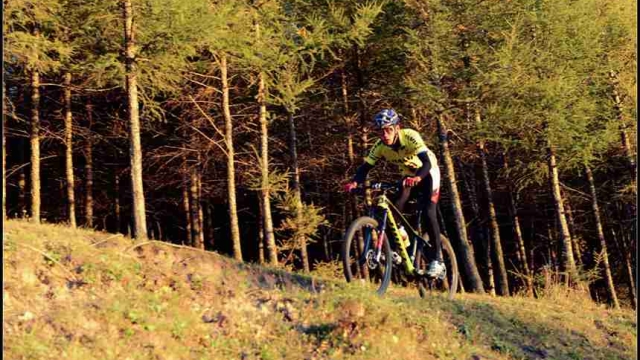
{"x":450,"y":283}
{"x":359,"y":256}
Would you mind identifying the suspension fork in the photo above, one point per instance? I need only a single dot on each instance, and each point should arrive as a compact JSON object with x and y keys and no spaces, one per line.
{"x":377,"y":242}
{"x":381,"y":235}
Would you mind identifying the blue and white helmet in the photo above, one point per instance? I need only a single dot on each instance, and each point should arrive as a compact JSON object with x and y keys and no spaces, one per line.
{"x":386,"y":117}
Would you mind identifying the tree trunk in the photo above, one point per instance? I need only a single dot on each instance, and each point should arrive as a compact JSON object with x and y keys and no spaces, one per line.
{"x":269,"y":236}
{"x":490,"y":273}
{"x":364,"y":119}
{"x":159,"y":227}
{"x":261,"y":249}
{"x":35,"y":146}
{"x":22,"y":190}
{"x":210,"y":230}
{"x":296,"y":188}
{"x":151,"y":232}
{"x":68,"y":141}
{"x":632,"y":284}
{"x":325,"y":245}
{"x":62,"y":195}
{"x":627,"y":259}
{"x":347,"y":121}
{"x":513,"y":213}
{"x":349,"y":202}
{"x":4,"y":154}
{"x":577,"y":253}
{"x":231,"y":172}
{"x":551,"y":248}
{"x":503,"y":282}
{"x":186,"y":207}
{"x":466,"y":251}
{"x":196,"y":230}
{"x":117,"y":210}
{"x":479,"y":233}
{"x":135,"y":148}
{"x":88,"y":153}
{"x":443,"y":228}
{"x":200,"y":210}
{"x":603,"y":243}
{"x":624,"y":138}
{"x":568,"y":263}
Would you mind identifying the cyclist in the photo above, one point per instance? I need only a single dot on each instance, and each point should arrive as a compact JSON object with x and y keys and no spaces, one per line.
{"x":405,"y":148}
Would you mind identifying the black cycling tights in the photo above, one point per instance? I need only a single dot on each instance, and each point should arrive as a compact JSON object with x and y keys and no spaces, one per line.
{"x":427,"y":202}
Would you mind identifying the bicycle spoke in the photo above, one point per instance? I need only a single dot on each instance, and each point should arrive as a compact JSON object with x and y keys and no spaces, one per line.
{"x":360,"y":259}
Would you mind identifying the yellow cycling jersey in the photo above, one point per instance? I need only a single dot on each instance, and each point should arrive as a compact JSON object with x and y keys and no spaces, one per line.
{"x":406,"y":156}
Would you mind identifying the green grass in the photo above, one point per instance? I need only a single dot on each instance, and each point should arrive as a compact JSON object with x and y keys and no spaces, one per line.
{"x":80,"y":294}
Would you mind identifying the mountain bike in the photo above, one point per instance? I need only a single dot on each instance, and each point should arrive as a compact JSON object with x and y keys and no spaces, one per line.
{"x":373,"y":247}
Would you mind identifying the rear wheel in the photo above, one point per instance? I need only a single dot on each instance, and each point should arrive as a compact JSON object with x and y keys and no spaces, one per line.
{"x":450,"y":283}
{"x":359,"y":255}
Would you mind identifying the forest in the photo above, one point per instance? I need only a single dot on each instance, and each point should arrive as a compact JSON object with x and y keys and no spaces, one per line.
{"x":232,"y":125}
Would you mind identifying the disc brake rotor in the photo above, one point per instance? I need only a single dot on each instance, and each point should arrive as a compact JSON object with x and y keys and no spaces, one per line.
{"x":372,"y":264}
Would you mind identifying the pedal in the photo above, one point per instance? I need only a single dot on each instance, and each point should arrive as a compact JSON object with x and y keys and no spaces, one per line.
{"x":420,"y":272}
{"x":397,"y":259}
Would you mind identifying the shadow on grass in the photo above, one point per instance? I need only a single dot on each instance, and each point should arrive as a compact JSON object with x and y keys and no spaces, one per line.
{"x":526,"y":338}
{"x":272,"y":278}
{"x":321,"y":331}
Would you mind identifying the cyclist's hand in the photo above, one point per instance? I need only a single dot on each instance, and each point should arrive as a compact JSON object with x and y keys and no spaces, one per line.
{"x":411,"y":181}
{"x":348,"y":187}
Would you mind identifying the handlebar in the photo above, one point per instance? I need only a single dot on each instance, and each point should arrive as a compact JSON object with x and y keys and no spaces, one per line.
{"x":378,"y":186}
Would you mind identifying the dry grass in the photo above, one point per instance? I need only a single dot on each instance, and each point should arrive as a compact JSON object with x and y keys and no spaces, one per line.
{"x":80,"y":294}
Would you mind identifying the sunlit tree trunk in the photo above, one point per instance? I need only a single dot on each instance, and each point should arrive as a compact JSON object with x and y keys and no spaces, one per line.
{"x":466,"y":251}
{"x":231,"y":172}
{"x":269,"y":236}
{"x":479,"y":233}
{"x":347,"y":121}
{"x":491,"y":284}
{"x":443,"y":228}
{"x":626,"y":252}
{"x":577,"y":253}
{"x":568,"y":263}
{"x":503,"y":282}
{"x":603,"y":243}
{"x":35,"y":146}
{"x":349,"y":199}
{"x":296,"y":188}
{"x":624,"y":138}
{"x":68,"y":142}
{"x":513,"y":213}
{"x":135,"y":148}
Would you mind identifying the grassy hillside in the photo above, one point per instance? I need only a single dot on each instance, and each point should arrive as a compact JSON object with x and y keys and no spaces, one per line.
{"x":80,"y":294}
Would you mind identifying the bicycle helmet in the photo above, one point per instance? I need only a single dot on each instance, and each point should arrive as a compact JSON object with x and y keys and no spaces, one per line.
{"x":386,"y":117}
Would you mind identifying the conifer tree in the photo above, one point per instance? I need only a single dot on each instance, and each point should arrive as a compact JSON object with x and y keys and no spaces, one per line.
{"x":32,"y":44}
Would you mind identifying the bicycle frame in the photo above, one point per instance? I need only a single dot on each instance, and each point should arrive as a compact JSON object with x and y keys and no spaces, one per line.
{"x":388,"y":215}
